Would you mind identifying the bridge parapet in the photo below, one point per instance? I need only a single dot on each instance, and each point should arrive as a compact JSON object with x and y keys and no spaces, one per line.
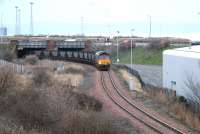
{"x":48,"y":44}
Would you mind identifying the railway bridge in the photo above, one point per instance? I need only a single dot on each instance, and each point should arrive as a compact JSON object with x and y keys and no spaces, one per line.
{"x":71,"y":50}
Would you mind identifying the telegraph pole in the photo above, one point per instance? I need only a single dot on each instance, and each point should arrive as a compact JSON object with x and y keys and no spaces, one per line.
{"x":31,"y":23}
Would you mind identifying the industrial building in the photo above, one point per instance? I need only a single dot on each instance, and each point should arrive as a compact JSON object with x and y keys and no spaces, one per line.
{"x":180,"y":67}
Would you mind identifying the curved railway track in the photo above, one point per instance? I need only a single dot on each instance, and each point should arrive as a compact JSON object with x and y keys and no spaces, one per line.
{"x":153,"y":123}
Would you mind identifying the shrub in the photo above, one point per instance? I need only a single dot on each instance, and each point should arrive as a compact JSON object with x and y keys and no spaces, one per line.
{"x":31,"y":110}
{"x":7,"y":79}
{"x":88,"y":103}
{"x":182,"y":99}
{"x":41,"y":76}
{"x":53,"y":109}
{"x":157,"y":44}
{"x":127,"y":45}
{"x":178,"y":106}
{"x":74,"y":70}
{"x":31,"y":59}
{"x":88,"y":123}
{"x":7,"y":55}
{"x":41,"y":108}
{"x":19,"y":130}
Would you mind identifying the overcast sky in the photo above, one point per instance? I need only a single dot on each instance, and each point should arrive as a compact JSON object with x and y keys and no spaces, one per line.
{"x":105,"y":17}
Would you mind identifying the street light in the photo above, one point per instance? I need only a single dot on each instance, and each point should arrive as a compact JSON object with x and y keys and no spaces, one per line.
{"x":117,"y":47}
{"x":109,"y":37}
{"x":82,"y":26}
{"x":149,"y":25}
{"x":132,"y":30}
{"x":19,"y":22}
{"x":1,"y":29}
{"x":16,"y":23}
{"x":131,"y":82}
{"x":31,"y":23}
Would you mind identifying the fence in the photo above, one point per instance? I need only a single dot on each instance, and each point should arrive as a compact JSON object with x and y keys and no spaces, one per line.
{"x":15,"y":67}
{"x":132,"y":71}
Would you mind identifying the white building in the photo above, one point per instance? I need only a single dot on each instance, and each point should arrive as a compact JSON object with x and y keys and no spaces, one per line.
{"x":179,"y":66}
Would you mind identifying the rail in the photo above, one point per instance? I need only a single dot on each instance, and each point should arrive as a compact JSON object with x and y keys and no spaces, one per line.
{"x":136,"y":107}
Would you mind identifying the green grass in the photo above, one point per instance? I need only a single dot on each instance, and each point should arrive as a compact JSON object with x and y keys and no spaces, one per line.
{"x":3,"y":47}
{"x":140,"y":56}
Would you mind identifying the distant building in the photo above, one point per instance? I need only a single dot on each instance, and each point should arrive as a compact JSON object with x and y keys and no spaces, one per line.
{"x":3,"y":31}
{"x":195,"y":43}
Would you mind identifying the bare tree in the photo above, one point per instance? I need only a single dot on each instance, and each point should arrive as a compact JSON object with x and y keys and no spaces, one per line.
{"x":194,"y":88}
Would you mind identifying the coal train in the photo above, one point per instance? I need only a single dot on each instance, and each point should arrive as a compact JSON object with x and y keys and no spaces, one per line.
{"x":70,"y":50}
{"x":100,"y":59}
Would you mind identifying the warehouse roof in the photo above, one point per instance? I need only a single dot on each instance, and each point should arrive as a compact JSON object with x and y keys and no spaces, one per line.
{"x":190,"y":52}
{"x":195,"y":49}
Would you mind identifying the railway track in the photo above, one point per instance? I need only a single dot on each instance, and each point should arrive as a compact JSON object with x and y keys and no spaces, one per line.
{"x":153,"y":123}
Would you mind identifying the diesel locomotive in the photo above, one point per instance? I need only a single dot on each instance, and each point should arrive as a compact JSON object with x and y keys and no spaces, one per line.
{"x":102,"y":60}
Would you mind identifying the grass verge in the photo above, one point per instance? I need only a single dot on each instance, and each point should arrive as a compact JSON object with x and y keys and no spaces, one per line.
{"x":141,"y":56}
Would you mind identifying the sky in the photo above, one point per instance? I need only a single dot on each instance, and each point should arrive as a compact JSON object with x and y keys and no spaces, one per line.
{"x":177,"y":18}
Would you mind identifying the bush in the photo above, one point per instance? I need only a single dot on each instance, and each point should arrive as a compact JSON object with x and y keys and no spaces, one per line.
{"x":31,"y":59}
{"x":7,"y":79}
{"x":182,"y":99}
{"x":88,"y":123}
{"x":74,"y":70}
{"x":158,"y":44}
{"x":127,"y":45}
{"x":41,"y":76}
{"x":7,"y":55}
{"x":19,"y":130}
{"x":31,"y":110}
{"x":88,"y":103}
{"x":37,"y":108}
{"x":178,"y":106}
{"x":34,"y":108}
{"x":53,"y":109}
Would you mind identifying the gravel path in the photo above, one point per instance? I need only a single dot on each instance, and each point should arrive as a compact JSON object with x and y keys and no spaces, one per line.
{"x":150,"y":74}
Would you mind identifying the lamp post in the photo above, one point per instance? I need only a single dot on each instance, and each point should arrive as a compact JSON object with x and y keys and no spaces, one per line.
{"x":131,"y":82}
{"x":16,"y":20}
{"x":31,"y":17}
{"x":1,"y":31}
{"x":82,"y":26}
{"x":19,"y":21}
{"x":109,"y":37}
{"x":117,"y":47}
{"x":149,"y":25}
{"x":132,"y":30}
